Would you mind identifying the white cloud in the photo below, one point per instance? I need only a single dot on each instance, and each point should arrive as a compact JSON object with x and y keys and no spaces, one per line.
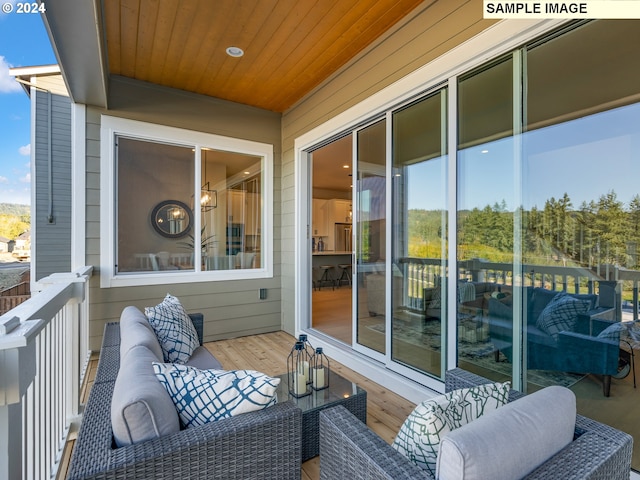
{"x":8,"y":83}
{"x":25,"y":150}
{"x":4,"y":179}
{"x":22,"y":197}
{"x":26,"y":178}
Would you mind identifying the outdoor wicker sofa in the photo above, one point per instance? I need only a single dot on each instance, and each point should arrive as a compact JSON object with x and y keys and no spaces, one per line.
{"x":264,"y":444}
{"x":349,"y":449}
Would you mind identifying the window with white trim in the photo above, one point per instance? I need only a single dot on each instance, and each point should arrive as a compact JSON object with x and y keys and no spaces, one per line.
{"x":182,"y":206}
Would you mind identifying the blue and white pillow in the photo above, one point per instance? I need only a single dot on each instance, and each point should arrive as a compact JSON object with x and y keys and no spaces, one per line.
{"x":175,"y":331}
{"x":613,"y":331}
{"x":420,"y":435}
{"x":203,"y":396}
{"x":561,"y":314}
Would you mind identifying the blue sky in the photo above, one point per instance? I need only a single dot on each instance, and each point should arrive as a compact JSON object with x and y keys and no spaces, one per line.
{"x":587,"y":158}
{"x":23,"y":43}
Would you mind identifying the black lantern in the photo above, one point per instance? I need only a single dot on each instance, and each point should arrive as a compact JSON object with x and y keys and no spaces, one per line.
{"x":298,"y":371}
{"x":308,"y":349}
{"x":320,"y":370}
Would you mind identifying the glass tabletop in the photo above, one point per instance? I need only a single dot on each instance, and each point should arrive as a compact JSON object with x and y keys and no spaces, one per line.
{"x":339,"y":389}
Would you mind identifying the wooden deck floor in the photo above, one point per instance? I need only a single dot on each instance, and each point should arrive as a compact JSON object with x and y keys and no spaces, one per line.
{"x":268,"y":353}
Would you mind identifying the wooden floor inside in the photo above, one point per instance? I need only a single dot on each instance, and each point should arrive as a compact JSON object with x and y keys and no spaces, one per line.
{"x":268,"y":353}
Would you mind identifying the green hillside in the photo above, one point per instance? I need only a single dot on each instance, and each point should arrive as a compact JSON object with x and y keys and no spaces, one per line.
{"x":15,"y":219}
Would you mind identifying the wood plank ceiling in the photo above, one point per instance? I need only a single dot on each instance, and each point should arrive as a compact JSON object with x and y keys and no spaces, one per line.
{"x":291,"y":46}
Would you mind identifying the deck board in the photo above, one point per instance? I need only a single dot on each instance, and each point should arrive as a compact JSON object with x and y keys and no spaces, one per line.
{"x":268,"y":353}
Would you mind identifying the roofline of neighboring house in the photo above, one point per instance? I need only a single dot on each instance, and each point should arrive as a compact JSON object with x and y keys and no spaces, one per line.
{"x":24,"y":75}
{"x":77,"y":39}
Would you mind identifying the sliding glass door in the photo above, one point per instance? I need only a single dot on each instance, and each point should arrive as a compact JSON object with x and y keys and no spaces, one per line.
{"x":513,"y":239}
{"x":487,"y":190}
{"x":371,"y":239}
{"x":419,"y":206}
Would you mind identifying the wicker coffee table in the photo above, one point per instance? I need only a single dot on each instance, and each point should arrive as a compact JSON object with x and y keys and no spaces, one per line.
{"x":340,"y":392}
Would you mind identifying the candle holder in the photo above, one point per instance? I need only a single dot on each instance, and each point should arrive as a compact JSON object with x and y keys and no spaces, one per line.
{"x":298,"y":371}
{"x":320,"y":370}
{"x":308,"y":349}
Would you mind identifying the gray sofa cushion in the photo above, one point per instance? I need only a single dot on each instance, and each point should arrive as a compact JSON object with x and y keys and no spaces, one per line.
{"x":494,"y":446}
{"x":135,"y":329}
{"x":203,"y":359}
{"x":141,"y":408}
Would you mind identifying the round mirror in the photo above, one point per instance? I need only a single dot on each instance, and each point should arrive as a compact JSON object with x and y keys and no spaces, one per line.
{"x":172,"y":219}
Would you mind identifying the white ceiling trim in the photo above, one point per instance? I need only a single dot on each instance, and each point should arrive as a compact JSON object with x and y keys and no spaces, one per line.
{"x":75,"y":31}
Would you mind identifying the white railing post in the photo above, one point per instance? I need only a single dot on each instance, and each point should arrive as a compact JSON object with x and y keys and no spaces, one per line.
{"x":17,"y":371}
{"x":41,"y":361}
{"x":72,"y":362}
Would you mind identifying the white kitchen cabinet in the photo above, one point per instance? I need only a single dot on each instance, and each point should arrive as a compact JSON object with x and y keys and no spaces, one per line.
{"x":340,"y":211}
{"x":320,"y":217}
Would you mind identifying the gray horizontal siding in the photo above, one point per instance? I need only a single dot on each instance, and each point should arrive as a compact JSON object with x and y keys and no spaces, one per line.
{"x":432,"y":30}
{"x":52,"y":241}
{"x":231,"y":308}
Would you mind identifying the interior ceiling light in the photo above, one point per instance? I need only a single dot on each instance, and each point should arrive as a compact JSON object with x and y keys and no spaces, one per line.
{"x":235,"y":52}
{"x":345,"y":166}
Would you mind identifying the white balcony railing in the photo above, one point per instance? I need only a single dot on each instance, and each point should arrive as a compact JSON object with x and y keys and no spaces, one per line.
{"x":427,"y":272}
{"x":43,"y":356}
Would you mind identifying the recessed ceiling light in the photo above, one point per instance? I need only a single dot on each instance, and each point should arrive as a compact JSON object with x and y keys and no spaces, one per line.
{"x":247,"y":173}
{"x":484,"y":151}
{"x":235,"y":52}
{"x":345,"y":166}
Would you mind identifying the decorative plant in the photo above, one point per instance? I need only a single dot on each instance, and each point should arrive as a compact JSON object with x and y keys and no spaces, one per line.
{"x":205,"y":241}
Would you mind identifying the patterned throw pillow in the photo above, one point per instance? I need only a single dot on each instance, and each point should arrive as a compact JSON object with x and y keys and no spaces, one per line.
{"x":613,"y":331}
{"x":175,"y":331}
{"x":561,"y":314}
{"x":435,"y":298}
{"x":203,"y":396}
{"x":420,"y":434}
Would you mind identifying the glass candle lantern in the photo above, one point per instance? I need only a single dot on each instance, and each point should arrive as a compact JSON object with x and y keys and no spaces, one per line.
{"x":298,"y":371}
{"x":308,"y":349}
{"x":320,"y":370}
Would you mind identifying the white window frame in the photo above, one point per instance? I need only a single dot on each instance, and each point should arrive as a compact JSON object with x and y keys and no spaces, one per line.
{"x":110,"y":128}
{"x":500,"y":38}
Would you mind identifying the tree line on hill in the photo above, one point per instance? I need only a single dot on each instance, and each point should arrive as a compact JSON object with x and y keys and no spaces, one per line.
{"x":15,"y":219}
{"x":600,"y":231}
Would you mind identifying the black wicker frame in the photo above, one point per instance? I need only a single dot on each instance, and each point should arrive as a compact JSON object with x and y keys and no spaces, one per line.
{"x":348,"y":449}
{"x":265,"y":444}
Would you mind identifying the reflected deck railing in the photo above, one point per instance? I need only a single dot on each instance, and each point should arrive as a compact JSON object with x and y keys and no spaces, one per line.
{"x":43,"y":356}
{"x":421,"y":273}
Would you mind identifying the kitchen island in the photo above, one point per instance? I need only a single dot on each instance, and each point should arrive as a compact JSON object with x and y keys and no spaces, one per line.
{"x":333,"y":258}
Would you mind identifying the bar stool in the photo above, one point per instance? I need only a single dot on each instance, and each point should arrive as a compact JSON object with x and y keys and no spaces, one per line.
{"x":327,"y":276}
{"x":345,"y":274}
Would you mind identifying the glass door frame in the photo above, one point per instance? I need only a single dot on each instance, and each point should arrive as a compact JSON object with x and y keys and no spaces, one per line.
{"x":358,"y":347}
{"x":448,"y":354}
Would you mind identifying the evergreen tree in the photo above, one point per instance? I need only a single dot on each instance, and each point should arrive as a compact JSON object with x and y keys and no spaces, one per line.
{"x":610,"y":228}
{"x":634,"y":231}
